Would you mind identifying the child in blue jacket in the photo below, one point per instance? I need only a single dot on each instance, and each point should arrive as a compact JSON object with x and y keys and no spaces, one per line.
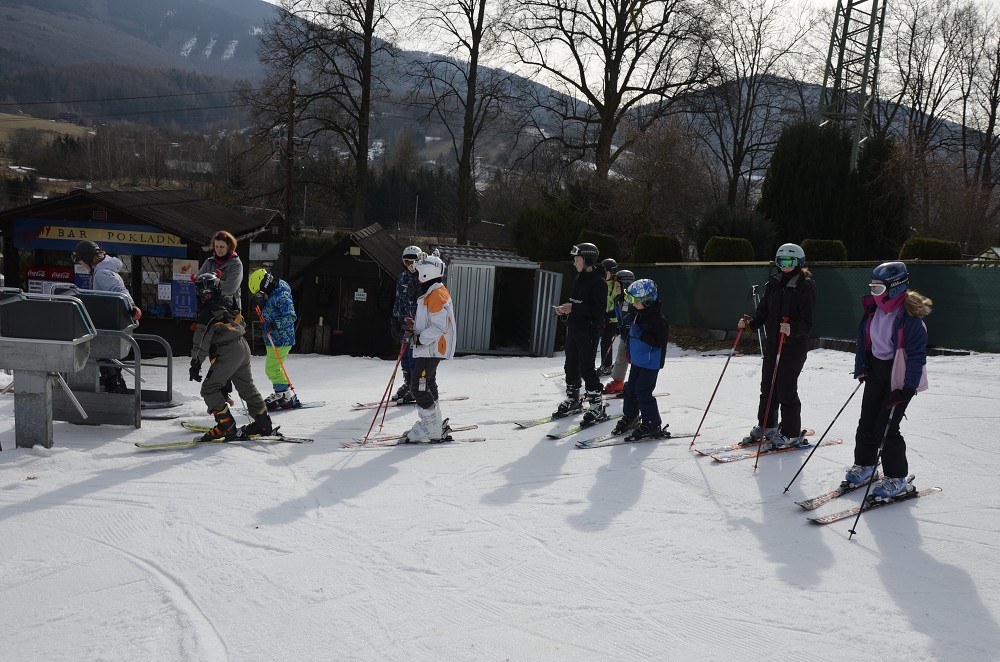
{"x":647,"y":351}
{"x":279,"y":316}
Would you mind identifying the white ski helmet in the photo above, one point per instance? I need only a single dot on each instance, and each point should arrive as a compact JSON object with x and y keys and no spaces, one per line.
{"x":788,"y":251}
{"x":412,"y":253}
{"x":428,"y":268}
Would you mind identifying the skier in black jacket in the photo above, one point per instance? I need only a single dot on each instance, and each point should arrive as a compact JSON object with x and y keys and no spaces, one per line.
{"x":786,"y":309}
{"x":585,"y":311}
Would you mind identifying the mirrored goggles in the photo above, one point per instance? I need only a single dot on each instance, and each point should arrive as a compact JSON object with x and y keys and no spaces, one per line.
{"x":632,"y":299}
{"x":877,"y":289}
{"x":785,"y":261}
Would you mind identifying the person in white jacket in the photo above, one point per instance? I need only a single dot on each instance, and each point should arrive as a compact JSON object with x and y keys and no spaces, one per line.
{"x":104,"y":272}
{"x":432,"y":335}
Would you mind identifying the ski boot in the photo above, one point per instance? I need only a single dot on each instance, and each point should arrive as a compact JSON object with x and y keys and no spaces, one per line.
{"x":647,"y":431}
{"x":891,"y":488}
{"x":598,"y":410}
{"x":259,"y":427}
{"x":571,"y":405}
{"x":225,"y":427}
{"x":614,"y":386}
{"x":403,"y":393}
{"x":626,"y":424}
{"x":273,"y":401}
{"x":754,"y":436}
{"x":859,"y":474}
{"x":604,"y":371}
{"x":429,"y":426}
{"x":779,"y":440}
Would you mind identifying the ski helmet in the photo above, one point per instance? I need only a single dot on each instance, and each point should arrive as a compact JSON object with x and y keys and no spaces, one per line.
{"x":642,"y":291}
{"x":787,"y":252}
{"x":428,"y":268}
{"x":588,"y":252}
{"x":610,"y":265}
{"x":412,"y":253}
{"x":894,"y":275}
{"x":208,"y":285}
{"x":261,"y":281}
{"x":625,"y":277}
{"x":86,"y":251}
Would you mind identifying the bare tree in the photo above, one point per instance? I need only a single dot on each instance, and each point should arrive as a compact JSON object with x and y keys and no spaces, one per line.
{"x":337,"y":52}
{"x":611,"y":62}
{"x":455,"y":86}
{"x":980,"y":113}
{"x":741,"y":116}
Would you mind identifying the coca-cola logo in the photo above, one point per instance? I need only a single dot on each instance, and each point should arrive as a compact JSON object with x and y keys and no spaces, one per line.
{"x":36,"y":273}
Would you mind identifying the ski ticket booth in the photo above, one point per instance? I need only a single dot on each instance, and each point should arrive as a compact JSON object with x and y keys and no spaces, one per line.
{"x":503,"y":302}
{"x":41,"y":336}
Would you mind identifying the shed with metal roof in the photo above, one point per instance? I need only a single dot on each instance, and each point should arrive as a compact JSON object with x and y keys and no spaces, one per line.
{"x":503,"y":301}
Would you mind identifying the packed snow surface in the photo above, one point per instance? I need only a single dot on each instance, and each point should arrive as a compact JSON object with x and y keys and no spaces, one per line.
{"x":520,"y":548}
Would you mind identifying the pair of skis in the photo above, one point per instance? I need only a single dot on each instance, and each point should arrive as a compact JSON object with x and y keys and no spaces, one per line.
{"x":870,"y":503}
{"x":388,"y":441}
{"x":275,"y":437}
{"x":747,"y":449}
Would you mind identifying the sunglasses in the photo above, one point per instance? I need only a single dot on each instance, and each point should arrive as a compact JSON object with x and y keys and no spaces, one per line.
{"x":786,"y":261}
{"x":877,"y":289}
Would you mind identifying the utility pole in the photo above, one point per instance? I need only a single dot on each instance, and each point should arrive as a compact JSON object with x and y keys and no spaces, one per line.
{"x":286,"y":228}
{"x":851,"y":75}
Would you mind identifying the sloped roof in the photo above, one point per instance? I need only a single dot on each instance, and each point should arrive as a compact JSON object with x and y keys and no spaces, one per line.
{"x":381,"y":245}
{"x":495,"y":256}
{"x":183,"y":213}
{"x":373,"y":240}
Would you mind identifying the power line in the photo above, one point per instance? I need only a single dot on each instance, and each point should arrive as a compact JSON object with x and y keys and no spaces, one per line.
{"x":152,"y":96}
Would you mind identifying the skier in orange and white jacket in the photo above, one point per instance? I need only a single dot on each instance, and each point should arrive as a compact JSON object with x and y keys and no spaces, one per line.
{"x":432,"y":336}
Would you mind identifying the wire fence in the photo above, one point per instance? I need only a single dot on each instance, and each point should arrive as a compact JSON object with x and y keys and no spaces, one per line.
{"x":966,"y":295}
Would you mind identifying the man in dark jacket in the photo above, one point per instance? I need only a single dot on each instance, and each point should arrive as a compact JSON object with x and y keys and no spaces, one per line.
{"x":585,"y":311}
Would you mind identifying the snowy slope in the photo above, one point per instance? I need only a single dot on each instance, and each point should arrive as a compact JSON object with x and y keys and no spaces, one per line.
{"x":520,"y":548}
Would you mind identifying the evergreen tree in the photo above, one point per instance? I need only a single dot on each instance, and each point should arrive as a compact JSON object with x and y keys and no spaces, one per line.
{"x":809,"y":190}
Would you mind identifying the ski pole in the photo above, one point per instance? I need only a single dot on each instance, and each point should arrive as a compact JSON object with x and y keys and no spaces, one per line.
{"x":823,"y":437}
{"x":383,"y":405}
{"x":275,"y":348}
{"x":731,"y":352}
{"x":878,"y":458}
{"x":762,"y":334}
{"x":770,"y":393}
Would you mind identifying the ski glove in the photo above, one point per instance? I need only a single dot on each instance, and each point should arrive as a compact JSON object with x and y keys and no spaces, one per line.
{"x":195,"y":372}
{"x":136,"y":314}
{"x":900,"y":396}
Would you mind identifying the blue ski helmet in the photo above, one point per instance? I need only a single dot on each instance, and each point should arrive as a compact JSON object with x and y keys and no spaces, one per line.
{"x":641,"y":291}
{"x":894,"y":275}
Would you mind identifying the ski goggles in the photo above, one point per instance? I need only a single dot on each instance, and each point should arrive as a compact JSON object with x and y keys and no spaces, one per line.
{"x":877,"y":289}
{"x":785,"y":261}
{"x":409,"y":263}
{"x":632,"y":299}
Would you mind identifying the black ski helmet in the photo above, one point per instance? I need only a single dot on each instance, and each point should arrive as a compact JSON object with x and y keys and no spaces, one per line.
{"x":588,"y":252}
{"x":625,"y":277}
{"x":208,"y":285}
{"x":85,"y":252}
{"x":610,"y":265}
